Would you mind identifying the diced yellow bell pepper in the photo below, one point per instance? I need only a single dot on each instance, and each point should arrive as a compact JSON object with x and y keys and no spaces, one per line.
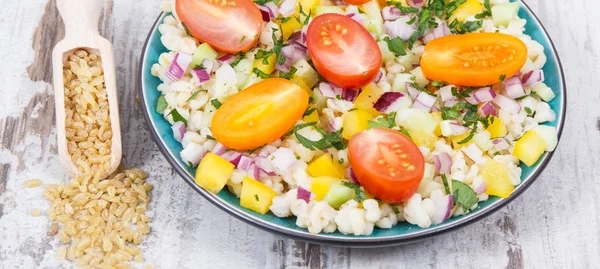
{"x":422,"y":138}
{"x":307,"y":5}
{"x":467,"y":9}
{"x":256,"y":196}
{"x":497,"y":128}
{"x":290,"y":26}
{"x":437,"y":116}
{"x":213,"y":172}
{"x":313,"y":116}
{"x":367,"y":98}
{"x":458,"y":138}
{"x":529,"y":148}
{"x":320,"y":186}
{"x":496,"y":178}
{"x":301,"y":83}
{"x":267,"y":68}
{"x":325,"y":165}
{"x":355,"y":121}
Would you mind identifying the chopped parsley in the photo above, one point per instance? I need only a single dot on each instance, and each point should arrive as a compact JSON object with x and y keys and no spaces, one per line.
{"x":502,"y":77}
{"x":210,"y":137}
{"x":452,"y":6}
{"x":290,"y":74}
{"x":309,"y":111}
{"x":396,"y":45}
{"x":256,"y":197}
{"x":161,"y":104}
{"x":190,"y":164}
{"x":277,"y":46}
{"x":464,"y":93}
{"x":446,"y":185}
{"x":470,"y":136}
{"x":382,"y":122}
{"x":264,"y":55}
{"x":457,"y":27}
{"x":396,"y":210}
{"x":242,"y":39}
{"x":438,"y":84}
{"x":463,"y":194}
{"x":341,"y":161}
{"x":360,"y":194}
{"x":528,"y":110}
{"x":406,"y":133}
{"x":329,"y":140}
{"x":194,"y":95}
{"x":306,"y":16}
{"x":177,"y":117}
{"x":240,"y":56}
{"x":216,"y":103}
{"x":260,"y":73}
{"x":187,"y":30}
{"x":487,"y":12}
{"x":403,"y":9}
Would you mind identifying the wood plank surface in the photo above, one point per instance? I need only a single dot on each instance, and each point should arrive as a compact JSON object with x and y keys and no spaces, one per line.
{"x":554,"y":224}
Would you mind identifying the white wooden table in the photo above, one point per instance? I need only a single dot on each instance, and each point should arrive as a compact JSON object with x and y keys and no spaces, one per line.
{"x":555,"y":224}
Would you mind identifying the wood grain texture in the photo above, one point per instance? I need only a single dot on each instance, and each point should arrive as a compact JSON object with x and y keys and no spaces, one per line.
{"x":554,"y":224}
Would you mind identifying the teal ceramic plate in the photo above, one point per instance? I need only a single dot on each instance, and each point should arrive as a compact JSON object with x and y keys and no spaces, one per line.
{"x":400,"y":234}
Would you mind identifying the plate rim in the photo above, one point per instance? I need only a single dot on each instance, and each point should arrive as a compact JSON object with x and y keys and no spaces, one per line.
{"x":356,"y":242}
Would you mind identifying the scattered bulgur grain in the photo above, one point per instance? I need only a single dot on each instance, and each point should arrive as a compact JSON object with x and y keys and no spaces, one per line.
{"x":35,"y":212}
{"x":32,"y":183}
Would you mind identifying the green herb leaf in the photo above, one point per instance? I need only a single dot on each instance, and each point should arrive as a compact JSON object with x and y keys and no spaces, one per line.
{"x":380,"y":122}
{"x":210,"y":137}
{"x":242,"y":39}
{"x":290,"y":74}
{"x":309,"y":111}
{"x":194,"y":95}
{"x":528,"y":110}
{"x":177,"y":117}
{"x":360,"y":194}
{"x":190,"y":164}
{"x":396,"y":210}
{"x":392,"y":119}
{"x":487,"y":12}
{"x":260,"y":73}
{"x":277,"y":46}
{"x":403,"y":9}
{"x":406,"y":133}
{"x":264,"y":55}
{"x":161,"y":104}
{"x":463,"y":194}
{"x":446,"y":185}
{"x":396,"y":45}
{"x":329,"y":140}
{"x":187,"y":30}
{"x":502,"y":77}
{"x":452,"y":6}
{"x":470,"y":136}
{"x":256,"y":197}
{"x":216,"y":103}
{"x":240,"y":56}
{"x":457,"y":27}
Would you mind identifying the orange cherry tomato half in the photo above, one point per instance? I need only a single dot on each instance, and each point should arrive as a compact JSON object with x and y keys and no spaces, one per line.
{"x":476,"y":59}
{"x":259,"y":114}
{"x":386,"y":163}
{"x":227,"y":25}
{"x":356,"y":2}
{"x":343,"y":51}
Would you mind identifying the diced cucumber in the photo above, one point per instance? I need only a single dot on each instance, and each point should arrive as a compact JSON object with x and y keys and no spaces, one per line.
{"x":548,"y":133}
{"x":503,"y":14}
{"x":338,"y":194}
{"x":307,"y":73}
{"x":242,"y":70}
{"x":416,"y":119}
{"x":252,"y":79}
{"x":320,"y":100}
{"x":374,"y":26}
{"x":399,"y":84}
{"x":528,"y":66}
{"x":204,"y":51}
{"x":319,"y":10}
{"x":420,"y":77}
{"x":543,"y":91}
{"x":386,"y":54}
{"x":373,"y":10}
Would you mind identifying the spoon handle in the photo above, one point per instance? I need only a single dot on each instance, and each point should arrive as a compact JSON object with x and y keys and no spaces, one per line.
{"x":80,"y":17}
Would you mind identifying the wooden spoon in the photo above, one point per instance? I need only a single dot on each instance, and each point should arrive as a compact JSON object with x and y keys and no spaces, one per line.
{"x":81,"y":32}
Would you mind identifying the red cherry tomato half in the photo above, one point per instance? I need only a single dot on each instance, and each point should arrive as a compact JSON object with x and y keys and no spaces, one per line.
{"x":343,"y":51}
{"x":227,"y":25}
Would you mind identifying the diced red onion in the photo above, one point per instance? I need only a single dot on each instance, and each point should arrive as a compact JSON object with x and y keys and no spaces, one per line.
{"x":487,"y":109}
{"x":334,"y":124}
{"x":390,"y":13}
{"x":349,"y":94}
{"x":412,"y":91}
{"x":484,"y":94}
{"x":329,"y":90}
{"x":471,"y":100}
{"x":399,"y":28}
{"x":244,"y":162}
{"x":389,"y":102}
{"x":510,"y":105}
{"x":287,"y":8}
{"x":451,"y":102}
{"x":285,"y":68}
{"x":303,"y":194}
{"x":304,"y":29}
{"x":458,"y":129}
{"x":480,"y":188}
{"x":357,"y":17}
{"x":295,"y":52}
{"x":263,"y":153}
{"x":295,"y":36}
{"x":443,"y":208}
{"x":253,"y":171}
{"x":264,"y":164}
{"x":193,"y":153}
{"x":440,"y":31}
{"x":178,"y":130}
{"x":446,"y":93}
{"x":264,"y":11}
{"x":219,"y":149}
{"x":436,"y":107}
{"x":228,"y":58}
{"x":514,"y":88}
{"x":282,"y":159}
{"x":200,"y":74}
{"x":353,"y":177}
{"x":443,"y":162}
{"x":500,"y":144}
{"x":178,"y":66}
{"x":533,"y":77}
{"x":232,"y":156}
{"x":424,"y":101}
{"x":273,"y":9}
{"x":415,"y":3}
{"x":209,"y":65}
{"x":378,"y":76}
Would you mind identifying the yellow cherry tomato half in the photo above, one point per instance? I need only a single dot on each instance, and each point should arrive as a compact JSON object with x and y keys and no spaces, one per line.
{"x":259,"y":114}
{"x":476,"y":59}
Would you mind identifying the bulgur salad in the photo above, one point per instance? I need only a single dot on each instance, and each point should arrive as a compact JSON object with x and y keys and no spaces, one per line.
{"x":355,"y":114}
